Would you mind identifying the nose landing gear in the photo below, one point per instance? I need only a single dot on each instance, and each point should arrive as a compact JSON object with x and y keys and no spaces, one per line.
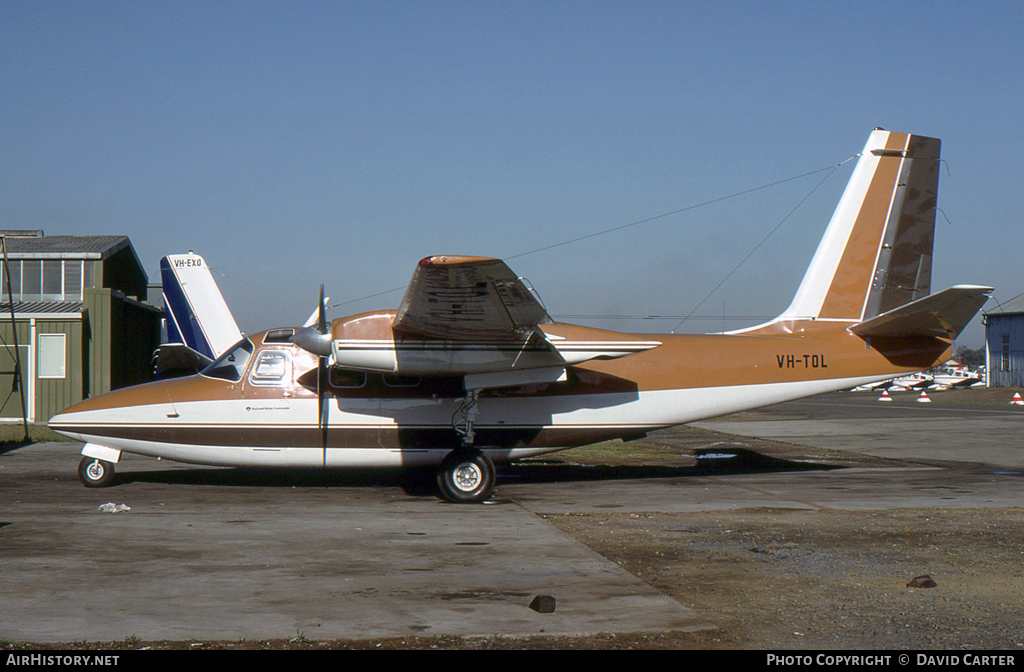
{"x":95,"y":473}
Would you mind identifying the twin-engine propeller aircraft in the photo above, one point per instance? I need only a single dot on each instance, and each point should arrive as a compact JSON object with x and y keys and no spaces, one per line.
{"x":471,"y":369}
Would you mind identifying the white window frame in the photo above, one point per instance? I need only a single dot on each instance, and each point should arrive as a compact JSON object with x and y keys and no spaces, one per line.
{"x":271,"y":378}
{"x":45,"y":368}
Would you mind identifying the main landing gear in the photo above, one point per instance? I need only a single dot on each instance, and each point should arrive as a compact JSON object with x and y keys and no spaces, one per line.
{"x":466,"y":476}
{"x":95,"y":473}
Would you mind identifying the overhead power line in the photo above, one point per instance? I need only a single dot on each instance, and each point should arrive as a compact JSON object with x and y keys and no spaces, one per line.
{"x":645,"y":220}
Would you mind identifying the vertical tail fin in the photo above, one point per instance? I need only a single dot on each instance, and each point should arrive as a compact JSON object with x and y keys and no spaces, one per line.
{"x":877,"y":251}
{"x":194,"y":308}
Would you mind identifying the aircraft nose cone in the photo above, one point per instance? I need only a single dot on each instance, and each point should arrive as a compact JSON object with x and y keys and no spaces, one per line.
{"x":108,"y":414}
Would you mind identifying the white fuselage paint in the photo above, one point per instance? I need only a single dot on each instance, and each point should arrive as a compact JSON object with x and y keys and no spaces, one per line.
{"x":629,"y":412}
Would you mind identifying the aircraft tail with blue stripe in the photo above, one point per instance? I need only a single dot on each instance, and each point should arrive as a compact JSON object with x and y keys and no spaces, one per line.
{"x":199,"y":324}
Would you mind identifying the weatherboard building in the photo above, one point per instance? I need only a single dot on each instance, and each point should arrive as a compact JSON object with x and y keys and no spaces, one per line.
{"x":1004,"y":344}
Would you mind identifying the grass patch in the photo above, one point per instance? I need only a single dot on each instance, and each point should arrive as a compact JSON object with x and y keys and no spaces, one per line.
{"x":13,"y":434}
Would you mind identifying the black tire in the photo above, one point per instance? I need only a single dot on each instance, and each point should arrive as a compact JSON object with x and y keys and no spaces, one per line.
{"x":95,"y":473}
{"x":466,"y":477}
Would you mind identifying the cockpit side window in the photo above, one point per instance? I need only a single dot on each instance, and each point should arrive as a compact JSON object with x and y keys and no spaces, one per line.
{"x":272,"y":367}
{"x":231,"y":365}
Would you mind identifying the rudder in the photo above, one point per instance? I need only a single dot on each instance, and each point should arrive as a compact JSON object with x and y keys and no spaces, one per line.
{"x":194,"y":309}
{"x":877,"y":250}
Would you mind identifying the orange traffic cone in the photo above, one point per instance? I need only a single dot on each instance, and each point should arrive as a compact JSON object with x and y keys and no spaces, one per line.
{"x":1017,"y":400}
{"x":885,"y":396}
{"x":924,"y":398}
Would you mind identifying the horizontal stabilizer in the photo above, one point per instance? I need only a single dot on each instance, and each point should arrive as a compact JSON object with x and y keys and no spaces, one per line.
{"x":943,"y":315}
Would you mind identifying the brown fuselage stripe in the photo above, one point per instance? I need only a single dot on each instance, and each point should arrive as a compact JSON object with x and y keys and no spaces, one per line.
{"x":342,"y":438}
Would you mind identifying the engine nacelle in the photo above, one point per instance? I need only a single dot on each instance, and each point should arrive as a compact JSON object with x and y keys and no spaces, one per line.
{"x":368,"y":342}
{"x":426,"y":357}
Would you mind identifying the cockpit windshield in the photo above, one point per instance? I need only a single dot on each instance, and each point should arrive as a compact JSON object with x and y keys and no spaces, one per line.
{"x":231,"y":365}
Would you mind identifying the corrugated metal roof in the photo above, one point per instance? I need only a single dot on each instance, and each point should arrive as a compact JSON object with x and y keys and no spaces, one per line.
{"x":65,"y":247}
{"x":40,"y":308}
{"x":1014,"y":305}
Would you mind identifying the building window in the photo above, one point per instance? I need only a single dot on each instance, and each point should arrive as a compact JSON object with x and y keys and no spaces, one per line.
{"x":15,"y":272}
{"x":31,"y":280}
{"x":46,"y":280}
{"x":72,"y":280}
{"x":52,"y":355}
{"x":1004,"y":360}
{"x":53,"y":280}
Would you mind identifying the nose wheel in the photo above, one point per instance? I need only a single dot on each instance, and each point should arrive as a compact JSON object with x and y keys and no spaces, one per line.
{"x":95,"y":473}
{"x":466,"y":476}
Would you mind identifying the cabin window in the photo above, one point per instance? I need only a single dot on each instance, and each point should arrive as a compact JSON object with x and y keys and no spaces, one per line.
{"x":278,"y":336}
{"x":395,"y":380}
{"x":272,"y":367}
{"x":345,"y":378}
{"x":231,"y":365}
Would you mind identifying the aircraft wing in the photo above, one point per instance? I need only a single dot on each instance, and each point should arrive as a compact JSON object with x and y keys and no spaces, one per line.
{"x":466,"y":299}
{"x":465,"y":316}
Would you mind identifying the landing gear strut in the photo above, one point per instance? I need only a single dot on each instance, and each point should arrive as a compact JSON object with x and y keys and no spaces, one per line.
{"x":466,"y":476}
{"x":95,"y":473}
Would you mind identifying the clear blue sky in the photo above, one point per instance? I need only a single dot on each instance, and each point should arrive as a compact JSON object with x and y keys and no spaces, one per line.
{"x":298,"y":143}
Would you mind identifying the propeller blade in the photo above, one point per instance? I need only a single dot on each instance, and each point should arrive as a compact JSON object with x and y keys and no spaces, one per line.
{"x":321,"y":394}
{"x":321,"y":327}
{"x":321,"y":322}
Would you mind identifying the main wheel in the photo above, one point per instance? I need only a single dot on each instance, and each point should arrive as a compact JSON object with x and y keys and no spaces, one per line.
{"x":95,"y":473}
{"x":466,"y":476}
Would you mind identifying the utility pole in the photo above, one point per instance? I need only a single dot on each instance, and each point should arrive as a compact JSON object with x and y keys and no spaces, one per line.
{"x":18,"y":379}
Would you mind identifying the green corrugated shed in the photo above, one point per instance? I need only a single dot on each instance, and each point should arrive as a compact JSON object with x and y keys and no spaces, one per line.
{"x":80,"y":332}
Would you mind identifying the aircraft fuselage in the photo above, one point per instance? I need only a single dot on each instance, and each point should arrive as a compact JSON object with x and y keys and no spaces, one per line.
{"x":266,"y":414}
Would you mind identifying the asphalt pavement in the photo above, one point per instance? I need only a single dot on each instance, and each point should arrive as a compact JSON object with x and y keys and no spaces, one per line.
{"x":224,"y":554}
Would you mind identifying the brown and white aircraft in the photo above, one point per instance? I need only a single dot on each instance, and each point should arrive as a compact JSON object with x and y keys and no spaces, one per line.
{"x":471,"y":370}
